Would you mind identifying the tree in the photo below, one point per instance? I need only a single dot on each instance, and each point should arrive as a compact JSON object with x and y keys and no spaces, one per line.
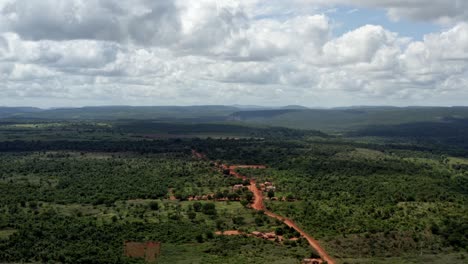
{"x":219,"y":195}
{"x":220,"y":225}
{"x":154,"y":206}
{"x":209,"y":235}
{"x":233,"y":196}
{"x":259,"y":221}
{"x":239,"y":220}
{"x":244,"y":203}
{"x":199,"y":238}
{"x":209,"y":209}
{"x":191,"y":215}
{"x":279,"y":231}
{"x":197,"y":206}
{"x":271,"y":194}
{"x":249,"y":196}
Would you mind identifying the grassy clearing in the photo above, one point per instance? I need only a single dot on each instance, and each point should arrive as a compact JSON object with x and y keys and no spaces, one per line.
{"x":6,"y":233}
{"x":454,"y":160}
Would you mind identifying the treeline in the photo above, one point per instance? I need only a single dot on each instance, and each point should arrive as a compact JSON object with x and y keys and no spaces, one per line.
{"x":180,"y":128}
{"x":447,"y":136}
{"x":138,"y":146}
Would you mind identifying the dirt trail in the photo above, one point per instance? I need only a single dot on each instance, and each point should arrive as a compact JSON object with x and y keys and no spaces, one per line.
{"x":258,"y":205}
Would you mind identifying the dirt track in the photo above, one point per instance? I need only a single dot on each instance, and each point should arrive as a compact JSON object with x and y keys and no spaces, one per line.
{"x":229,"y":233}
{"x":258,"y":205}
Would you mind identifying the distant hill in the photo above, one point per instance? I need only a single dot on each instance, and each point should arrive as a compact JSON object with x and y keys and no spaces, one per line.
{"x":293,"y":116}
{"x":205,"y":112}
{"x":12,"y":111}
{"x":259,"y":115}
{"x":297,"y":107}
{"x":126,"y":112}
{"x":251,"y":107}
{"x":381,"y":107}
{"x":350,"y":118}
{"x":258,"y":107}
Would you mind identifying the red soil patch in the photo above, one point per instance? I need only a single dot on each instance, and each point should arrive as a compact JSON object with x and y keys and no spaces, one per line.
{"x":229,"y":233}
{"x":147,"y":250}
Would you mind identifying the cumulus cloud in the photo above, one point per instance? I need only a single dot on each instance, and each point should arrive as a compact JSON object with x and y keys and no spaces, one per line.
{"x":267,"y":39}
{"x":141,"y":21}
{"x":441,"y":11}
{"x":208,"y":51}
{"x":360,"y":45}
{"x":439,"y":59}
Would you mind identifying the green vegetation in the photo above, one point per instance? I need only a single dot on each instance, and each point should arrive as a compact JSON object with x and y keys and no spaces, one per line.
{"x":350,"y":118}
{"x":233,"y":250}
{"x":78,"y":201}
{"x":367,"y":203}
{"x":74,"y":191}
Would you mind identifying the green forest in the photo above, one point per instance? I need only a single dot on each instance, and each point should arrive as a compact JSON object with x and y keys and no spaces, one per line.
{"x":73,"y":192}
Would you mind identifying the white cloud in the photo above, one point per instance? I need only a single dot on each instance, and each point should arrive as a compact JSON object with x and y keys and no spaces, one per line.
{"x":196,"y":52}
{"x":360,"y":45}
{"x":267,"y":39}
{"x":441,"y":11}
{"x":439,"y":59}
{"x":143,"y":21}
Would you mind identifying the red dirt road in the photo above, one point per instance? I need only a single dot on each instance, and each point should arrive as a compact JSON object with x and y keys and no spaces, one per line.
{"x":258,"y":205}
{"x":229,"y":233}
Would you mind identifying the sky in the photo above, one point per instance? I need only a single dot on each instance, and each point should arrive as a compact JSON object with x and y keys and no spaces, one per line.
{"x":316,"y":53}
